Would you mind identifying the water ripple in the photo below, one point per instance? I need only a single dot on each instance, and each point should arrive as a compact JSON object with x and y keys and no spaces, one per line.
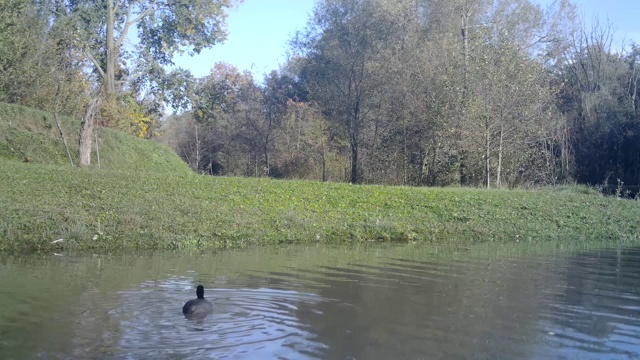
{"x":246,"y":323}
{"x":539,"y":307}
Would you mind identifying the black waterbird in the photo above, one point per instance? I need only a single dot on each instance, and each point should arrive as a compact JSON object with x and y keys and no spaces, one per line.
{"x":197,"y":308}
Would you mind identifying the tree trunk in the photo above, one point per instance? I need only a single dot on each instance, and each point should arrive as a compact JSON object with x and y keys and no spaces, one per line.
{"x":64,"y":139}
{"x":499,"y":170}
{"x":404,"y":150}
{"x":197,"y":149}
{"x":487,"y":155}
{"x":324,"y":163}
{"x":634,"y":91}
{"x":465,"y":49}
{"x":255,"y":157}
{"x":464,"y":31}
{"x":86,"y":131}
{"x":109,"y":81}
{"x":95,"y":135}
{"x":424,"y":169}
{"x":266,"y":152}
{"x":353,"y":142}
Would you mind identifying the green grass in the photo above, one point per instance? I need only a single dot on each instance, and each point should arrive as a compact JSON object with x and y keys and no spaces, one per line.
{"x":31,"y":135}
{"x":144,"y":197}
{"x":109,"y":210}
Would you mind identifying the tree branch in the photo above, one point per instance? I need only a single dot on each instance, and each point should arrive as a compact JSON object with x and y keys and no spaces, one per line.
{"x":125,"y":30}
{"x":95,"y":63}
{"x":149,"y":10}
{"x":128,"y":23}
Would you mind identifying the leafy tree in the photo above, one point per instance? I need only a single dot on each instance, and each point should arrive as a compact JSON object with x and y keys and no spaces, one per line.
{"x":600,"y":98}
{"x":217,"y":101}
{"x":164,"y":28}
{"x":37,"y":68}
{"x":280,"y":92}
{"x":341,"y":45}
{"x":486,"y":86}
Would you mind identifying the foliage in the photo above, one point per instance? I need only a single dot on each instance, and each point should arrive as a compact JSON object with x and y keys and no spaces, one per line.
{"x":421,"y":103}
{"x":129,"y":115}
{"x":37,"y":67}
{"x":139,"y":120}
{"x":498,"y":94}
{"x":164,"y":28}
{"x":601,"y":100}
{"x":237,"y":127}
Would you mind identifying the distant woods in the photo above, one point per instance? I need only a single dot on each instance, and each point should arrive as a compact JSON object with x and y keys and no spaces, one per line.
{"x":407,"y":92}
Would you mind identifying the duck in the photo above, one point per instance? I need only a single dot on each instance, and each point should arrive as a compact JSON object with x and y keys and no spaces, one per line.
{"x":199,"y":307}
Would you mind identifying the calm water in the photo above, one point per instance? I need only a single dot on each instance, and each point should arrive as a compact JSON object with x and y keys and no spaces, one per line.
{"x":327,"y":303}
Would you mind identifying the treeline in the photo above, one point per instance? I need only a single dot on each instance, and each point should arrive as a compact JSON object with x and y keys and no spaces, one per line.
{"x":416,"y":92}
{"x":427,"y":92}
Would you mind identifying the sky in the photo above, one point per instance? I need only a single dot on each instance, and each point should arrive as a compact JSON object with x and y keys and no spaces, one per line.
{"x":259,"y":31}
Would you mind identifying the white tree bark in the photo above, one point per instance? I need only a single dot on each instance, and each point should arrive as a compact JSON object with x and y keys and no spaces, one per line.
{"x":86,"y":131}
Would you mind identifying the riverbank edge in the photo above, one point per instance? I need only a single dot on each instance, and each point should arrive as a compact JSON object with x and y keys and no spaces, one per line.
{"x":56,"y":208}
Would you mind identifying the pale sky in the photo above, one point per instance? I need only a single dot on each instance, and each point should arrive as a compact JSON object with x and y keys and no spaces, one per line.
{"x":259,"y":31}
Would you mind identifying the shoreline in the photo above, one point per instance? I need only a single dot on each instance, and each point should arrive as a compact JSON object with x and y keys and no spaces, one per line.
{"x":103,"y":210}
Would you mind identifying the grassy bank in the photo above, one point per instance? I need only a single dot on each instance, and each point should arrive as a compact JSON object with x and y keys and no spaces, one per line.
{"x":145,"y":197}
{"x":29,"y":135}
{"x":108,"y":210}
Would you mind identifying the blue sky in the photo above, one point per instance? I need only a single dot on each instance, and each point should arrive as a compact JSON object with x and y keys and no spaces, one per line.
{"x":259,"y":31}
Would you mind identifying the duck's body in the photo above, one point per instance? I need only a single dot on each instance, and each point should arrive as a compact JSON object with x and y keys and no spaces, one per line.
{"x":199,"y":307}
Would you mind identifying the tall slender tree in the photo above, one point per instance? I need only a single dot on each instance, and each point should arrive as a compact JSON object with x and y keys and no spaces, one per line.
{"x":342,"y":46}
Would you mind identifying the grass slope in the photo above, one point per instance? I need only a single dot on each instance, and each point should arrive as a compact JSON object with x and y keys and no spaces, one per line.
{"x":32,"y":136}
{"x":107,"y":210}
{"x":145,"y":197}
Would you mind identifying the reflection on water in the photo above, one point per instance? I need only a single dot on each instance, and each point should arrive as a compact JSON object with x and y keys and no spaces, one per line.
{"x":596,"y":309}
{"x":310,"y":303}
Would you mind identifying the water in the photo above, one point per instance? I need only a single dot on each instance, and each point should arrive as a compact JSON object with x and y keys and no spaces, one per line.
{"x":325,"y":303}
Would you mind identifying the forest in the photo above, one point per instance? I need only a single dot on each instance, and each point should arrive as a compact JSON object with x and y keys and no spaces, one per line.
{"x":479,"y":93}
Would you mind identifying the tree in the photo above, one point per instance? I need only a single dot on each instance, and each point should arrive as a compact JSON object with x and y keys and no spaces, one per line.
{"x":600,"y":98}
{"x":512,"y":106}
{"x":217,"y":100}
{"x":37,"y":67}
{"x":497,"y":85}
{"x":165,"y":27}
{"x":280,"y":91}
{"x":341,"y":46}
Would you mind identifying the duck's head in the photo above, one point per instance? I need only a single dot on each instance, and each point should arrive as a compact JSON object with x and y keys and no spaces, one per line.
{"x":200,"y":292}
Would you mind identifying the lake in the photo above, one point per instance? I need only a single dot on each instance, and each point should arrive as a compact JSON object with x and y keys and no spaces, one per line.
{"x":362,"y":302}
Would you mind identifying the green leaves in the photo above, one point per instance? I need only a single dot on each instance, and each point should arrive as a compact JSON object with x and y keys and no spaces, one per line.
{"x":173,"y":25}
